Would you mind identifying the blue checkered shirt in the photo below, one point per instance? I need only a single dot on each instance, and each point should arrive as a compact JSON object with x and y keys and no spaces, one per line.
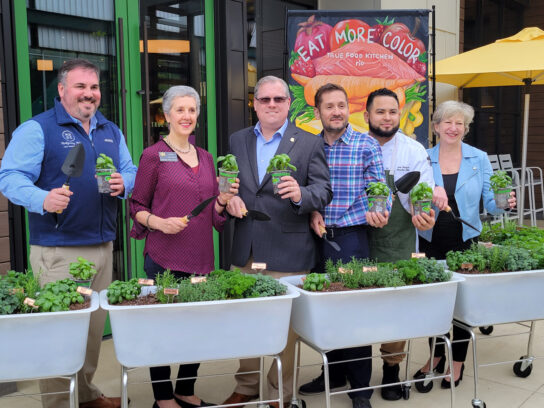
{"x":355,"y":159}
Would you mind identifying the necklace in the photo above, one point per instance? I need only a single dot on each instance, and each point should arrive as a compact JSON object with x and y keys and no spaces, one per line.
{"x":175,"y":148}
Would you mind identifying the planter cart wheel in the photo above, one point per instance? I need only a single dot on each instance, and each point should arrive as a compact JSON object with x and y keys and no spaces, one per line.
{"x":425,"y":388}
{"x":299,"y":404}
{"x":478,"y":404}
{"x":523,"y":368}
{"x":487,"y":330}
{"x":405,"y":391}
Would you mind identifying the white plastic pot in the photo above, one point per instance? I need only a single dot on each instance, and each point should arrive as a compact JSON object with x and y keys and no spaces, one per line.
{"x":38,"y":345}
{"x":332,"y":320}
{"x":496,"y":298}
{"x":153,"y":335}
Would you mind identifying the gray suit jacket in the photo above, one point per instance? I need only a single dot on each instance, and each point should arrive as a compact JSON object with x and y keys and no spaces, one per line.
{"x":285,"y":242}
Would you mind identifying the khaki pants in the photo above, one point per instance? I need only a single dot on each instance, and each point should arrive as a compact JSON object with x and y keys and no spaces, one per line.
{"x":391,"y":348}
{"x":53,"y":264}
{"x":248,"y":384}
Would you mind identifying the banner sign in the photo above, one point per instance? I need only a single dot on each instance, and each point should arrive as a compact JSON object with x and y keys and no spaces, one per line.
{"x":361,"y":51}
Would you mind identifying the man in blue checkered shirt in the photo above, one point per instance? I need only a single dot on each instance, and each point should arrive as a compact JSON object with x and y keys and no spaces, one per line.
{"x":354,"y":159}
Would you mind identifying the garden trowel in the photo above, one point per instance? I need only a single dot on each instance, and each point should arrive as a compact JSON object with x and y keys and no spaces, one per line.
{"x":73,"y":165}
{"x":406,"y":182}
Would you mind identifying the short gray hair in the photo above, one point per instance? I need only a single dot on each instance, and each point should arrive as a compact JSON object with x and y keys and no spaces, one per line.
{"x":179,"y":91}
{"x":451,"y":108}
{"x":72,"y":64}
{"x":269,"y":79}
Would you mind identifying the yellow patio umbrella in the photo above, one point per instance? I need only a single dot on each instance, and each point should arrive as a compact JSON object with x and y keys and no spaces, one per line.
{"x":511,"y":61}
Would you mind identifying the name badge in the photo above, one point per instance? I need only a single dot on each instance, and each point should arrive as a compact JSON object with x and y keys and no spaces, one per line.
{"x":168,"y":157}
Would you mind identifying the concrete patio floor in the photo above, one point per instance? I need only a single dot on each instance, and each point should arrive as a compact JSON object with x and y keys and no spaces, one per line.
{"x":498,"y":386}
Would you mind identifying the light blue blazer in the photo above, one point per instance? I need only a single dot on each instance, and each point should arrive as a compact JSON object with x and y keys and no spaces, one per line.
{"x":472,"y":183}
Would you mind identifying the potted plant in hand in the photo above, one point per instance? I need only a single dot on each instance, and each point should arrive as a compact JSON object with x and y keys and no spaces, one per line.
{"x":377,"y":196}
{"x":227,"y":172}
{"x":421,"y":197}
{"x":279,"y":166}
{"x":104,"y":169}
{"x":501,"y":185}
{"x":83,"y":271}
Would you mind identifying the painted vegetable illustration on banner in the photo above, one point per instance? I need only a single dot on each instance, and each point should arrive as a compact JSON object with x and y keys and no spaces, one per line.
{"x":361,"y":56}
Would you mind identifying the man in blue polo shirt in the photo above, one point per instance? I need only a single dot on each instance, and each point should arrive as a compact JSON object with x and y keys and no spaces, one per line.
{"x":65,"y":224}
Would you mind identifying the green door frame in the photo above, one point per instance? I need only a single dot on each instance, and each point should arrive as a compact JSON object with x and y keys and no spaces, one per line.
{"x":131,"y":28}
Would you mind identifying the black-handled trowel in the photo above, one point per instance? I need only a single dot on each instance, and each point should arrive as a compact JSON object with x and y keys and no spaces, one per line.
{"x":73,"y":165}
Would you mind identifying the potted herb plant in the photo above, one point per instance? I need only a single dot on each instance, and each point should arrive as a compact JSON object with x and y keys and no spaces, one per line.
{"x":227,"y":172}
{"x":501,"y":185}
{"x":83,"y":271}
{"x":421,"y":196}
{"x":279,"y":166}
{"x":377,"y":193}
{"x":104,"y":169}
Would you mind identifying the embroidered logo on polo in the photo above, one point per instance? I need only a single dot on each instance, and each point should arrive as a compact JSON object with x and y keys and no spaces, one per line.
{"x":108,"y":140}
{"x":69,"y":140}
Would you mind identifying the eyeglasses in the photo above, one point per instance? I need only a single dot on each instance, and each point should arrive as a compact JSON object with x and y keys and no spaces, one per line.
{"x":265,"y":100}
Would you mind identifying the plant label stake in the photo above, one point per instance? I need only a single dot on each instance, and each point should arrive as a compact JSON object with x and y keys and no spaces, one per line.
{"x":146,"y":282}
{"x":84,"y":291}
{"x":198,"y":279}
{"x":258,"y":266}
{"x":171,"y":293}
{"x":73,"y":165}
{"x":418,"y":255}
{"x":370,"y":268}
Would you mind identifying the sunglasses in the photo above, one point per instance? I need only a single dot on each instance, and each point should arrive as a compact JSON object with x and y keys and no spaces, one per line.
{"x":267,"y":99}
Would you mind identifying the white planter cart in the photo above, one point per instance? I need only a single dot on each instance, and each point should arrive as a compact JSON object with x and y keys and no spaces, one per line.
{"x":331,"y":320}
{"x":217,"y":330}
{"x":45,"y":345}
{"x":484,"y":300}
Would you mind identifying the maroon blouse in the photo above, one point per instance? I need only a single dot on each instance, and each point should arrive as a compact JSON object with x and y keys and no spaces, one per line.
{"x":173,"y":189}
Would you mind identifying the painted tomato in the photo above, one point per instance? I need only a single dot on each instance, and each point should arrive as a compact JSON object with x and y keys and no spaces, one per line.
{"x":347,"y":31}
{"x":398,"y":38}
{"x":312,"y":39}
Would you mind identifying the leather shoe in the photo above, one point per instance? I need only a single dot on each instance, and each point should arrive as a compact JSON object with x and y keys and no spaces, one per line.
{"x":391,"y":375}
{"x":361,"y":402}
{"x":237,"y":398}
{"x":317,"y":385}
{"x":102,"y":402}
{"x":184,"y":404}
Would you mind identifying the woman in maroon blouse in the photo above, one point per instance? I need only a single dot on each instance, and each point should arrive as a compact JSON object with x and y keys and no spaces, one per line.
{"x":173,"y":177}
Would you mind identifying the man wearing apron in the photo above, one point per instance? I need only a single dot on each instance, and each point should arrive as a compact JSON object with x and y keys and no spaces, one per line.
{"x":354,"y":160}
{"x":397,"y":240}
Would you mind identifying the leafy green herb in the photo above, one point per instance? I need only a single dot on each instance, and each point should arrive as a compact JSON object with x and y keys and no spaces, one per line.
{"x":104,"y":162}
{"x":280,"y":162}
{"x":82,"y":269}
{"x":499,"y":180}
{"x":316,"y":282}
{"x":377,"y":189}
{"x":421,"y":192}
{"x":228,"y":162}
{"x":118,"y":291}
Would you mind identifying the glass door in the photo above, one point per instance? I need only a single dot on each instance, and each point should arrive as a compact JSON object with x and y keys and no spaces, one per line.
{"x":172,"y":48}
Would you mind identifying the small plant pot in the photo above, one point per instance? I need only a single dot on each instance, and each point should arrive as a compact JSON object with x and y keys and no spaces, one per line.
{"x":501,"y":198}
{"x":84,"y":283}
{"x":276,"y":178}
{"x":377,"y":204}
{"x":422,"y":206}
{"x":226,"y":178}
{"x":103,"y":177}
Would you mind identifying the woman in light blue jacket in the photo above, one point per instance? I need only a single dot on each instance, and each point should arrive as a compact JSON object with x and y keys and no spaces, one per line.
{"x":463,"y":172}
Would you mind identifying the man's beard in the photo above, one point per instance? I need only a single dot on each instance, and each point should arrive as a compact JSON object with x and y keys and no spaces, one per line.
{"x":376,"y":131}
{"x":336,"y":129}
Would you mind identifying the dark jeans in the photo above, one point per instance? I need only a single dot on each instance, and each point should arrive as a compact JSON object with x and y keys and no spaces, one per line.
{"x":164,"y":390}
{"x":353,"y":243}
{"x":438,"y":250}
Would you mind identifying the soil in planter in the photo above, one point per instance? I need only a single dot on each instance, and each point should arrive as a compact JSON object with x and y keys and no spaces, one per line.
{"x":140,"y":301}
{"x":80,"y":306}
{"x":476,"y":272}
{"x":339,"y":287}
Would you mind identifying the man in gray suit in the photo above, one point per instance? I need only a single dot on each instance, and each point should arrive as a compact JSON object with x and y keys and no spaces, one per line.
{"x":285,"y":243}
